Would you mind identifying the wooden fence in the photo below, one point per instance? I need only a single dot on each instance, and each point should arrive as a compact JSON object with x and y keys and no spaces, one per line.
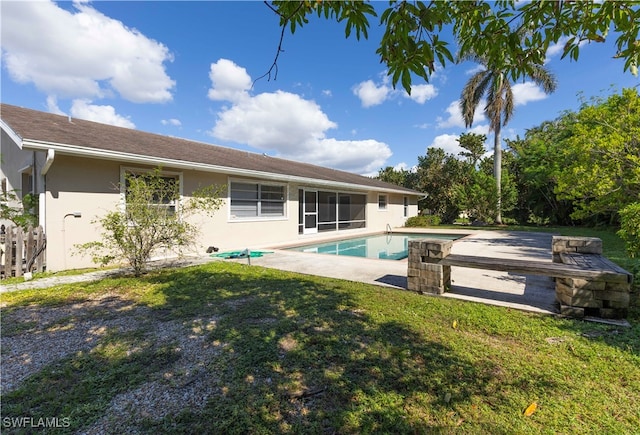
{"x":22,"y":251}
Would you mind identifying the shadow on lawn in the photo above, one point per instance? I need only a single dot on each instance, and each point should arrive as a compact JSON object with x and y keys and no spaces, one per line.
{"x":299,"y":355}
{"x":291,"y":353}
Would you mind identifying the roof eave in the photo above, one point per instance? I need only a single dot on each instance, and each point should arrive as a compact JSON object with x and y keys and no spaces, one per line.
{"x":12,"y":134}
{"x":80,"y":151}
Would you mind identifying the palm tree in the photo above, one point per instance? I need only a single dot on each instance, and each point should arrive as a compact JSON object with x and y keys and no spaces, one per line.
{"x":495,"y":84}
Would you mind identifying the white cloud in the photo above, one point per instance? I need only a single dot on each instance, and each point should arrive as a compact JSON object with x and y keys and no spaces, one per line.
{"x":526,"y":92}
{"x":448,"y":142}
{"x":171,"y":121}
{"x":476,"y":69}
{"x":455,"y":119}
{"x":523,"y":93}
{"x":508,"y":133}
{"x":82,"y":54}
{"x":421,"y":93}
{"x":371,"y":94}
{"x":439,"y":75}
{"x":279,"y":119}
{"x":480,"y":129}
{"x":52,"y":105}
{"x":556,"y":49}
{"x":402,"y":166}
{"x":230,"y":82}
{"x":364,"y":157}
{"x":291,"y":126}
{"x":83,"y":109}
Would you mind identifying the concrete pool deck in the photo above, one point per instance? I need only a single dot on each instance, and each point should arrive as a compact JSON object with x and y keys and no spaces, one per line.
{"x":522,"y":292}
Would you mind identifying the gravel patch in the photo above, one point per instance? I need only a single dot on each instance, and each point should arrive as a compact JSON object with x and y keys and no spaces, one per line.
{"x":187,"y":384}
{"x":34,"y":337}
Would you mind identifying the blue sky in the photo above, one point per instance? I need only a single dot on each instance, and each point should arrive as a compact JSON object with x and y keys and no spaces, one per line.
{"x":187,"y":69}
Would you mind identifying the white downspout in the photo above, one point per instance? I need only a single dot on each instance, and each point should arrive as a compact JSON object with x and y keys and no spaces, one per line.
{"x":51,"y":154}
{"x":42,"y":196}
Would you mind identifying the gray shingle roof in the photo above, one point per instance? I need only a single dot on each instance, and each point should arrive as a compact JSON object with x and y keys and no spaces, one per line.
{"x":32,"y":125}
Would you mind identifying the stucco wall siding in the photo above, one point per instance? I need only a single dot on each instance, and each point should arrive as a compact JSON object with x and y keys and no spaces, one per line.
{"x":90,"y":187}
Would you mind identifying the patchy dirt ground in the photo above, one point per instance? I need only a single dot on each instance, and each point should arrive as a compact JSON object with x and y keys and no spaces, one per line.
{"x":34,"y":337}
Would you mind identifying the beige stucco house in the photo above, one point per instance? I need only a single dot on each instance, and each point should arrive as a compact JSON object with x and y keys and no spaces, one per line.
{"x":76,"y":166}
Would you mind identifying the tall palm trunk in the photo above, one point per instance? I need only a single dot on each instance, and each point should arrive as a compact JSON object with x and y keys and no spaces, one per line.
{"x":499,"y":107}
{"x":497,"y":171}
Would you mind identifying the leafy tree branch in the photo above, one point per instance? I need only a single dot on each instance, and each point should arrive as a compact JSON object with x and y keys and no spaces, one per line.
{"x":22,"y":212}
{"x":513,"y":36}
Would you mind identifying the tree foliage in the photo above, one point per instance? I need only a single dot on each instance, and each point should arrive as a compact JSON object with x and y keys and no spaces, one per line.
{"x":537,"y":162}
{"x":438,"y":174}
{"x":474,"y":145}
{"x":454,"y":184}
{"x":22,"y":212}
{"x":155,"y":218}
{"x":399,"y":177}
{"x":582,"y":167}
{"x":478,"y":196}
{"x":601,"y":156}
{"x":630,"y":228}
{"x":476,"y":191}
{"x":494,"y":84}
{"x":512,"y":36}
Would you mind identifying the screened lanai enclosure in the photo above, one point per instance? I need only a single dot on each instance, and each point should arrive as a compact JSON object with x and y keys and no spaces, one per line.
{"x":320,"y":210}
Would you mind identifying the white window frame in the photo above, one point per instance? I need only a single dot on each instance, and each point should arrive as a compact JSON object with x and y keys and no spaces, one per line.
{"x":285,"y":202}
{"x":383,"y":202}
{"x":163,"y":173}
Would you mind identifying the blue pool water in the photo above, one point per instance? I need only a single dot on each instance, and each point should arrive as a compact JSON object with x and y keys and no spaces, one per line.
{"x":382,"y":246}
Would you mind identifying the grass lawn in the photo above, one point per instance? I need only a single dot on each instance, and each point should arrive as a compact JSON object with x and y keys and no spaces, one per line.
{"x":280,"y":352}
{"x":42,"y":275}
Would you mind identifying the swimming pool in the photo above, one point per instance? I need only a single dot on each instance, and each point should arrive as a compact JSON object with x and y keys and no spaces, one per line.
{"x":382,"y":246}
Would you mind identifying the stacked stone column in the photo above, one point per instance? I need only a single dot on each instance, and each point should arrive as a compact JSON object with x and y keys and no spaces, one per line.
{"x":424,"y":273}
{"x":578,"y":245}
{"x":606,"y":297}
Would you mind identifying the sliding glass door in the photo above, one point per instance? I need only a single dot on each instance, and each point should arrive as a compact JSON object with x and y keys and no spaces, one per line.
{"x":321,"y":211}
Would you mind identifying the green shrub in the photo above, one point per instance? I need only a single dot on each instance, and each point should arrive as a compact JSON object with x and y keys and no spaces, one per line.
{"x":630,"y":228}
{"x":423,"y":221}
{"x":155,"y":219}
{"x":509,"y":221}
